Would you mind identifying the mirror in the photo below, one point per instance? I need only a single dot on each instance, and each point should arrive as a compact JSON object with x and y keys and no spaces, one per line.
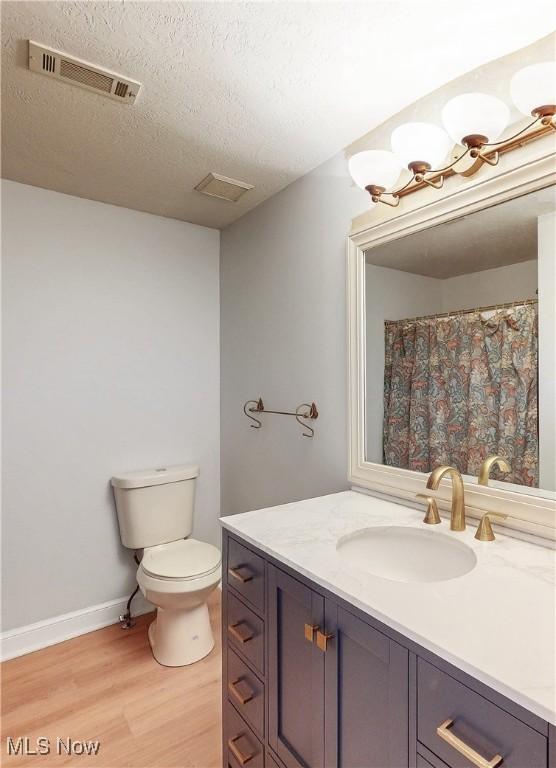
{"x":460,"y":345}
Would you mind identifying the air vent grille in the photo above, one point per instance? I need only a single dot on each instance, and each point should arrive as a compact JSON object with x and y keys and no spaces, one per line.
{"x":85,"y":76}
{"x":71,"y":70}
{"x":216,"y":185}
{"x":48,"y":62}
{"x":121,"y":89}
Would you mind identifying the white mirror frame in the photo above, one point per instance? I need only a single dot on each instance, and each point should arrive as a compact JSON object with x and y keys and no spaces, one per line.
{"x":530,"y":168}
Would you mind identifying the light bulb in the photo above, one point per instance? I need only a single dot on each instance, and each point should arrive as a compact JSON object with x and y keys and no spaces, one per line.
{"x":374,"y":168}
{"x":533,"y":89}
{"x":475,"y":118}
{"x":420,"y":146}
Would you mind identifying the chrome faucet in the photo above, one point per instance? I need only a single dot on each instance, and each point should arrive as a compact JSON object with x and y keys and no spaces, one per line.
{"x":457,"y":517}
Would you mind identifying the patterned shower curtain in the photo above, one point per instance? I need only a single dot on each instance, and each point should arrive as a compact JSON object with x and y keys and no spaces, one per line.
{"x":458,"y":389}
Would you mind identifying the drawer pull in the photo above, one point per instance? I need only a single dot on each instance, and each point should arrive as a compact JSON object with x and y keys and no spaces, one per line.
{"x":322,"y":640}
{"x":241,"y":573}
{"x":236,"y":686}
{"x":309,"y":632}
{"x":464,"y":749}
{"x":241,"y":635}
{"x":240,"y":756}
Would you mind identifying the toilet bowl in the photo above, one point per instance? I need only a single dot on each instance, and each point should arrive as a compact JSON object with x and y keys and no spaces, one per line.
{"x":178,"y":578}
{"x":177,"y":573}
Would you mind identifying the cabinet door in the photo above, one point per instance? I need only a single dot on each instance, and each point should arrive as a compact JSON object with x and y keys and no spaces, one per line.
{"x":295,"y":672}
{"x":366,"y":696}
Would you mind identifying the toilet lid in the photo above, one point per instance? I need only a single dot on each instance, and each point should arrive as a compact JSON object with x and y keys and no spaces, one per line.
{"x":183,"y":559}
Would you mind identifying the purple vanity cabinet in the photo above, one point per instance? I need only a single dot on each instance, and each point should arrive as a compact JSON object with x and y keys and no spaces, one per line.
{"x":295,"y":672}
{"x":310,"y":681}
{"x":366,"y":694}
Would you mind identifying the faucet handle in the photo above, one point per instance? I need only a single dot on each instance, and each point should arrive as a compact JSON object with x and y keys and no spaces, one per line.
{"x":431,"y":516}
{"x":484,"y":529}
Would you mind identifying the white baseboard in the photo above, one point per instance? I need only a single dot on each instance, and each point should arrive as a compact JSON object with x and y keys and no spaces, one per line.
{"x":17,"y":642}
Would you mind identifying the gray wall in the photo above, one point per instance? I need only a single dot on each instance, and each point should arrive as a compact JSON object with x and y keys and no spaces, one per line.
{"x":492,"y":286}
{"x":111,"y":362}
{"x":283,"y":314}
{"x":283,"y":320}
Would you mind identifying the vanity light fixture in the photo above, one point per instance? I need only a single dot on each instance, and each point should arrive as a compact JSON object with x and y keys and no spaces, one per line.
{"x":474,"y":121}
{"x":420,"y":147}
{"x":376,"y":165}
{"x":533,"y":89}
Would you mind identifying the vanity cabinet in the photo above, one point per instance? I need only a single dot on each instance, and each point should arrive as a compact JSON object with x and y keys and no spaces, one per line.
{"x":453,"y":720}
{"x":366,"y":694}
{"x":309,"y":681}
{"x":338,"y":689}
{"x":295,"y":672}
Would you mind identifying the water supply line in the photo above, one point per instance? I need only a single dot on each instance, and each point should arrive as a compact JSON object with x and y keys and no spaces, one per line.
{"x":126,"y":619}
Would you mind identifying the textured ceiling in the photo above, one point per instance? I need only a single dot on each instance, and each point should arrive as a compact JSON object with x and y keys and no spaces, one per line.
{"x":261,"y":91}
{"x":493,"y":237}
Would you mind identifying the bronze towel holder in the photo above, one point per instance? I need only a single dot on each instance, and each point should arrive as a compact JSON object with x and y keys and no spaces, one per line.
{"x":303,"y":411}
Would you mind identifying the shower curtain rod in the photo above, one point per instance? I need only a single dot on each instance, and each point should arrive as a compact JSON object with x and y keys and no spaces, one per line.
{"x":508,"y":305}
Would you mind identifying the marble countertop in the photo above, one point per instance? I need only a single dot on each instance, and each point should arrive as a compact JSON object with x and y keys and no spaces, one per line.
{"x":497,"y":622}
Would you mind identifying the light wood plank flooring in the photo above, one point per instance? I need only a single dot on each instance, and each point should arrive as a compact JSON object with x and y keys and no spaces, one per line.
{"x":106,"y":685}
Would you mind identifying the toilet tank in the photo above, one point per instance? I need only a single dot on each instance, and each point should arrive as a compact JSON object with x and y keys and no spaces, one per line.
{"x":155,"y":505}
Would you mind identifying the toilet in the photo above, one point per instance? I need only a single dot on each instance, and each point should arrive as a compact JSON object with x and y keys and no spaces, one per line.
{"x":176,"y":573}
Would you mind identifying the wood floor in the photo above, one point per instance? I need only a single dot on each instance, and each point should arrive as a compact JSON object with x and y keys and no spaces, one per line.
{"x":106,"y":685}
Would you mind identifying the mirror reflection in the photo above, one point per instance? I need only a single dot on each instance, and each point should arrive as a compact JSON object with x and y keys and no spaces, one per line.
{"x":460,"y":347}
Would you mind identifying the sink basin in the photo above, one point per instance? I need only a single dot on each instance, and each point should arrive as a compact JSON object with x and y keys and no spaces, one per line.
{"x":406,"y":554}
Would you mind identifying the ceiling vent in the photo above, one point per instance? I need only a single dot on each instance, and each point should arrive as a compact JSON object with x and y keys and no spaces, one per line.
{"x":223,"y":187}
{"x":57,"y":64}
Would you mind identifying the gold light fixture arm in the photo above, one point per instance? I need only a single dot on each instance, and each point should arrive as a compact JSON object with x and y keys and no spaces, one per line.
{"x":438,"y":184}
{"x":486,"y":158}
{"x":479,"y":148}
{"x":380,"y":199}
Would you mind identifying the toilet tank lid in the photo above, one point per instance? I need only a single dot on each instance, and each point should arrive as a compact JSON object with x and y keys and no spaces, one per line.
{"x":158,"y":476}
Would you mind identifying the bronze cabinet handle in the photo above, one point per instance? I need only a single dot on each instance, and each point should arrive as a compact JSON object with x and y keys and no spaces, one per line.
{"x":240,"y":756}
{"x":235,"y":686}
{"x":322,"y":640}
{"x":309,"y":632}
{"x":464,"y":749}
{"x":241,"y":635}
{"x":237,"y":574}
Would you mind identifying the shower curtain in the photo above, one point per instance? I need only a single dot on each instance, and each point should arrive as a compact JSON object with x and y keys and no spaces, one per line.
{"x":458,"y":389}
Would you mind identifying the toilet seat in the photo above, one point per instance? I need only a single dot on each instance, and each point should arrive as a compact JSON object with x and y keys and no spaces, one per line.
{"x":182,"y":560}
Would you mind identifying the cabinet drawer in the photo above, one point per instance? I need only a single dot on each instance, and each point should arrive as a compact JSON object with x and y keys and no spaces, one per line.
{"x":430,"y":760}
{"x":246,"y":573}
{"x":469,"y":722}
{"x":246,"y":692}
{"x":242,"y":746}
{"x":246,"y":632}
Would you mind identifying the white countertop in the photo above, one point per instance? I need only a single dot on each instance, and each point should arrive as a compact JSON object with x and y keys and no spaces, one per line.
{"x":497,"y":622}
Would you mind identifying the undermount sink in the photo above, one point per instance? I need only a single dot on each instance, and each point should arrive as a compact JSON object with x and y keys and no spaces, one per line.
{"x":406,"y":554}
